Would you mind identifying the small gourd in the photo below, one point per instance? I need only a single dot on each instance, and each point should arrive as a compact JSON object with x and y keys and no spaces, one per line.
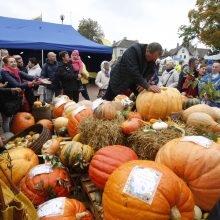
{"x":159,"y":125}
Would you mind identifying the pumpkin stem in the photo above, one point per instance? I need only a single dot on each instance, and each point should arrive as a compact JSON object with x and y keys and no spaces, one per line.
{"x":175,"y":214}
{"x":81,"y":215}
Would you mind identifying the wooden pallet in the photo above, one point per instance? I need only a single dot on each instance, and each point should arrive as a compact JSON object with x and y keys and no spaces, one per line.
{"x":90,"y":191}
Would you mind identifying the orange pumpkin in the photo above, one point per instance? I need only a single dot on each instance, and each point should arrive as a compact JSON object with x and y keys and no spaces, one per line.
{"x":86,"y":103}
{"x":153,"y":192}
{"x":134,"y":115}
{"x":69,"y":209}
{"x":159,"y":105}
{"x":106,"y":110}
{"x":106,"y":160}
{"x":46,"y":123}
{"x":131,"y":125}
{"x":22,"y":121}
{"x":22,"y":160}
{"x":37,"y":104}
{"x":119,"y":98}
{"x":43,"y":182}
{"x":76,"y":117}
{"x":69,"y":107}
{"x":198,"y":166}
{"x":59,"y":107}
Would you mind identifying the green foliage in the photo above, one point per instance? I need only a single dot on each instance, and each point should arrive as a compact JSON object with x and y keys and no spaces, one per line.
{"x":91,"y":30}
{"x":208,"y":91}
{"x":204,"y":24}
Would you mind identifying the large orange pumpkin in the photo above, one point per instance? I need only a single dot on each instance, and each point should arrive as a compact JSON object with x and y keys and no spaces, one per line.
{"x":106,"y":110}
{"x":159,"y":105}
{"x":46,"y":123}
{"x":198,"y":166}
{"x":43,"y":182}
{"x":22,"y":160}
{"x":76,"y":117}
{"x":145,"y":190}
{"x":22,"y":121}
{"x":106,"y":160}
{"x":59,"y":107}
{"x":63,"y":209}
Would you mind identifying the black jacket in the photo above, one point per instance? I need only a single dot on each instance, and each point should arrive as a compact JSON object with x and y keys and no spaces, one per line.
{"x":132,"y":70}
{"x":11,"y":103}
{"x":49,"y":70}
{"x":67,"y":76}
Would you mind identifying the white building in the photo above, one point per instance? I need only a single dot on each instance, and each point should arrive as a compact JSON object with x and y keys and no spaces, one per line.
{"x":183,"y":53}
{"x":120,"y":47}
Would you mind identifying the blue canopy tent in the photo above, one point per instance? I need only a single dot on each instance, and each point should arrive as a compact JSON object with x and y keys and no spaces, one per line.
{"x":38,"y":35}
{"x":33,"y":37}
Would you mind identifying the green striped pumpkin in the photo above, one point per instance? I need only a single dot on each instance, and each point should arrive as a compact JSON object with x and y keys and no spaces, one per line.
{"x":190,"y":102}
{"x":76,"y":156}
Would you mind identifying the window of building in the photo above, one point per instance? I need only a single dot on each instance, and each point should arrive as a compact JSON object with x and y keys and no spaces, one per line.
{"x":183,"y":50}
{"x":180,"y":56}
{"x":121,"y":52}
{"x":184,"y":56}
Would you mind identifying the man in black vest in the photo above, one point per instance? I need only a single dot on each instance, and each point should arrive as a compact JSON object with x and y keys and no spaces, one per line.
{"x":135,"y":71}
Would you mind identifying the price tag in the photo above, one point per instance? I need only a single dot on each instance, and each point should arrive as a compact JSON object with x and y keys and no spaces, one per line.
{"x":200,"y":140}
{"x":59,"y":103}
{"x":78,"y":110}
{"x":53,"y":207}
{"x":142,"y":183}
{"x":40,"y":169}
{"x":68,"y":105}
{"x":97,"y":103}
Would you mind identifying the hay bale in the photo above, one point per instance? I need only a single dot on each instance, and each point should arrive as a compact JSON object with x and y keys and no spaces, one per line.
{"x":147,"y":142}
{"x":100,"y":133}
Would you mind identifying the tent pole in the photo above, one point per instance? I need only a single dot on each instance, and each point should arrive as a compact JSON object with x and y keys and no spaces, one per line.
{"x":42,"y":54}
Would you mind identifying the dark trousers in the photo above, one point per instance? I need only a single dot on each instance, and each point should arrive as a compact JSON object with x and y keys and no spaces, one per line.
{"x":85,"y":92}
{"x":73,"y":95}
{"x":109,"y":95}
{"x":215,"y":213}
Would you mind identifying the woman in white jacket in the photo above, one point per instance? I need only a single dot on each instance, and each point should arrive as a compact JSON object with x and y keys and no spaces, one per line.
{"x":34,"y":69}
{"x":170,"y":76}
{"x":102,"y":78}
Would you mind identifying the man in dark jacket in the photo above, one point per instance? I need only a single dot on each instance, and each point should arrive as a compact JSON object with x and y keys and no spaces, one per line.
{"x":49,"y":71}
{"x":191,"y":68}
{"x":135,"y":71}
{"x":68,"y":77}
{"x":20,"y":63}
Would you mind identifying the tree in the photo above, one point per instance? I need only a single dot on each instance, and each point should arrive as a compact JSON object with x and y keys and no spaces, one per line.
{"x":204,"y":24}
{"x":91,"y":30}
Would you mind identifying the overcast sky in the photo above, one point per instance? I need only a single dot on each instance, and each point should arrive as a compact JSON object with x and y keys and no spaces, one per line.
{"x":143,"y":20}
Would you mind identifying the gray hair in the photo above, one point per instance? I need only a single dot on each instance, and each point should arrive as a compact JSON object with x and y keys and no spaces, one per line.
{"x":154,"y":47}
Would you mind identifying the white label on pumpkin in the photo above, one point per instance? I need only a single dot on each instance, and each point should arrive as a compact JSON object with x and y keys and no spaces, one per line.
{"x":53,"y":207}
{"x":78,"y":110}
{"x":203,"y":141}
{"x":142,"y":183}
{"x":68,"y":105}
{"x":40,"y":169}
{"x":96,"y":103}
{"x":59,"y":103}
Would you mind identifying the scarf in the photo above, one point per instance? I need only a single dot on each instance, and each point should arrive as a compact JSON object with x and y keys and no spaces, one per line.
{"x":14,"y":72}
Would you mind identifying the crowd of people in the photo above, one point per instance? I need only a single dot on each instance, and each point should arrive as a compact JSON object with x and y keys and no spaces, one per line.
{"x":135,"y":71}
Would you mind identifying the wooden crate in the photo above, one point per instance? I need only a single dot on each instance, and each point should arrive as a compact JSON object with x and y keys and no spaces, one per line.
{"x":90,"y":191}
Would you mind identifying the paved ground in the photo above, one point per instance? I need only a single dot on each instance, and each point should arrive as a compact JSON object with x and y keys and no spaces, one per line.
{"x":92,"y":90}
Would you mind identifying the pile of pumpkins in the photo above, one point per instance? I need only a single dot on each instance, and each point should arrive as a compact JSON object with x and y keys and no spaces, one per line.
{"x":184,"y":176}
